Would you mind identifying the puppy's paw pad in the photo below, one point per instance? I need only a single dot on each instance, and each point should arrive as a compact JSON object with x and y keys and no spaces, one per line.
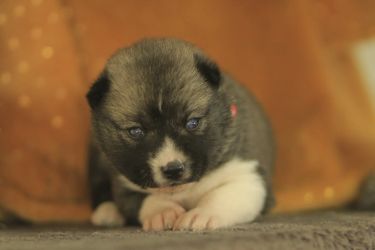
{"x":197,"y":220}
{"x":107,"y":215}
{"x":163,"y":220}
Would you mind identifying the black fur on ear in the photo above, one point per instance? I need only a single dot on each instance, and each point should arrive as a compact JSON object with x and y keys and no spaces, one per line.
{"x":98,"y":90}
{"x":208,"y":69}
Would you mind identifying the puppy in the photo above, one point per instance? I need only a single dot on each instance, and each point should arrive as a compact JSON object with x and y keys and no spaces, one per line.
{"x":177,"y":143}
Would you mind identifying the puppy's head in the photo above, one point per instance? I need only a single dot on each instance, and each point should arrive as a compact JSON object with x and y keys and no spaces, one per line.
{"x":156,"y":112}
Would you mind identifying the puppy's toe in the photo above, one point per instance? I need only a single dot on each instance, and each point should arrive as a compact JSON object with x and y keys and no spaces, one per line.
{"x":154,"y":223}
{"x":196,"y":220}
{"x":201,"y":222}
{"x":213,"y":223}
{"x":164,"y":220}
{"x":169,"y":217}
{"x":158,"y":213}
{"x":184,"y":221}
{"x":107,"y":215}
{"x":157,"y":223}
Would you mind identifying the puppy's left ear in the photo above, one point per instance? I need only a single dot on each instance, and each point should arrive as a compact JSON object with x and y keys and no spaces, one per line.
{"x":98,"y":91}
{"x":208,"y":69}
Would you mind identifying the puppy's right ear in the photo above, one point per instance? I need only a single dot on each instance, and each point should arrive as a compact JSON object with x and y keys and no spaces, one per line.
{"x":98,"y":90}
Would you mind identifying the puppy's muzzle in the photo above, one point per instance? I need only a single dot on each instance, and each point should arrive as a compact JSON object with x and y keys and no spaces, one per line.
{"x":173,"y":171}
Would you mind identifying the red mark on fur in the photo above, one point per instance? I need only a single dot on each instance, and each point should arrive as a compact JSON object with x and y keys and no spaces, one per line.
{"x":233,"y":110}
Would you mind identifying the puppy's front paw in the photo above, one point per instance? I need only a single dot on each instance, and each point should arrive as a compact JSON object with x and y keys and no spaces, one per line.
{"x":164,"y":220}
{"x":159,"y":214}
{"x":198,"y":219}
{"x":107,"y":215}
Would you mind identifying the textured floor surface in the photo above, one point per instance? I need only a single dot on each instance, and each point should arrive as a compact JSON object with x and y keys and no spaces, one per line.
{"x":323,"y":230}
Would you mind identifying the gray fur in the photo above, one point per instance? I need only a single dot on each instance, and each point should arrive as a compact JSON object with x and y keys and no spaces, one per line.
{"x":366,"y":198}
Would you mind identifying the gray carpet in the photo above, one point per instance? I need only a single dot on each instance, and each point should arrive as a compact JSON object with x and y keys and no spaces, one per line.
{"x":323,"y":230}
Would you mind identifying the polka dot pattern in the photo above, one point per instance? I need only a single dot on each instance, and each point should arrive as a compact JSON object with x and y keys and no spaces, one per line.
{"x":329,"y":193}
{"x":6,"y":77}
{"x":36,"y":2}
{"x":36,"y":33}
{"x":47,"y":52}
{"x":41,"y":94}
{"x":57,"y":121}
{"x":23,"y":67}
{"x":24,"y":101}
{"x":53,"y":17}
{"x":19,"y":10}
{"x":13,"y":43}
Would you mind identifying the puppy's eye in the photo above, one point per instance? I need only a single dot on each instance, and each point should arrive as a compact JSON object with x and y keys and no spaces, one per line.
{"x":192,"y":124}
{"x":136,"y":132}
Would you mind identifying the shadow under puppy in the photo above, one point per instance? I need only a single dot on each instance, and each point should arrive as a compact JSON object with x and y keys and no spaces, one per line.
{"x":177,"y":144}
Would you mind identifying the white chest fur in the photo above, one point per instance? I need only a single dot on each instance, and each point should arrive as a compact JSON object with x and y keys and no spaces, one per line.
{"x":241,"y":173}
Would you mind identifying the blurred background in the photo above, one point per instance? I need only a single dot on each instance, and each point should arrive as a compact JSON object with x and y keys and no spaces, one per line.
{"x":311,"y":64}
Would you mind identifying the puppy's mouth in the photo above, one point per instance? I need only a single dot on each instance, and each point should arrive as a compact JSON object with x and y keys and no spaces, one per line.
{"x":172,"y":188}
{"x":163,"y":185}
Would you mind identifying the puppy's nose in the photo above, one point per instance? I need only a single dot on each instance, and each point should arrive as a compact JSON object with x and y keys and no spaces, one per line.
{"x":173,"y":170}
